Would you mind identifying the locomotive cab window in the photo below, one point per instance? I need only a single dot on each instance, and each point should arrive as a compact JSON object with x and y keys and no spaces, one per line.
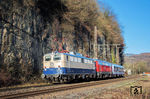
{"x":47,"y":58}
{"x":57,"y":57}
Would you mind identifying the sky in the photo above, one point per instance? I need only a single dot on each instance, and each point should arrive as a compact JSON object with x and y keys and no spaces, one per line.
{"x":134,"y":18}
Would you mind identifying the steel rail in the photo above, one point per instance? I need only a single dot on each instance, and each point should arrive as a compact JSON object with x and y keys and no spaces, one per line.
{"x":52,"y":90}
{"x":24,"y":87}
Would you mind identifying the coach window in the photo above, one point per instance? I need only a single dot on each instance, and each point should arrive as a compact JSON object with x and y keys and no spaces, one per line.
{"x":47,"y":58}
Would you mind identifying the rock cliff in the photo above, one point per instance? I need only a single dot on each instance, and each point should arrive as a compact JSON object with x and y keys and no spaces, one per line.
{"x":31,"y":28}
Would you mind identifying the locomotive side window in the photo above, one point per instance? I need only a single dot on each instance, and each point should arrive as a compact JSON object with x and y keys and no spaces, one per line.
{"x":57,"y":57}
{"x":79,"y":60}
{"x":82,"y":60}
{"x":71,"y":58}
{"x":47,"y":58}
{"x":86,"y":61}
{"x":75,"y":59}
{"x":92,"y":61}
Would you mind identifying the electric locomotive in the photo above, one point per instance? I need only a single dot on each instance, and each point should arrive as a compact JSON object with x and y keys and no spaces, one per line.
{"x":64,"y":67}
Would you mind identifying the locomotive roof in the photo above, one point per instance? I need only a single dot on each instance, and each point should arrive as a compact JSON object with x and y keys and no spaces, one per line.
{"x":101,"y":62}
{"x":79,"y":56}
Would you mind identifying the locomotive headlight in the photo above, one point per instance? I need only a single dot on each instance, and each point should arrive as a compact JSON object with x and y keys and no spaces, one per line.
{"x":44,"y":67}
{"x":59,"y":65}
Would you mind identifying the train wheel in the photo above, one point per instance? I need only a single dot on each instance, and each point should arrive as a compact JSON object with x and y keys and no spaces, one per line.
{"x":61,"y":81}
{"x":49,"y":80}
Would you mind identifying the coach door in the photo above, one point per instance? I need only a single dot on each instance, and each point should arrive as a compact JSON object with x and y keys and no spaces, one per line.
{"x":112,"y":68}
{"x":97,"y":66}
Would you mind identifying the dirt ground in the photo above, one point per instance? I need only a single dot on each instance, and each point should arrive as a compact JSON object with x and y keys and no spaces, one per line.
{"x":114,"y":90}
{"x":126,"y":91}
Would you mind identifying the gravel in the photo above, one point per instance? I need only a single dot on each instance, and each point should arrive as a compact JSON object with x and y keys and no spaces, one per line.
{"x":80,"y":93}
{"x":84,"y":93}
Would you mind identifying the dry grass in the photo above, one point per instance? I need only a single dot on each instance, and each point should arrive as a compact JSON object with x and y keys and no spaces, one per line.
{"x":121,"y":94}
{"x":123,"y":91}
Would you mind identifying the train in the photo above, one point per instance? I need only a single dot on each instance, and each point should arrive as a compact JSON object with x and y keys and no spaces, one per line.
{"x":68,"y":66}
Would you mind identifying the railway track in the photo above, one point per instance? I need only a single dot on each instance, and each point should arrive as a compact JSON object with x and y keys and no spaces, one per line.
{"x":26,"y":87}
{"x":64,"y":88}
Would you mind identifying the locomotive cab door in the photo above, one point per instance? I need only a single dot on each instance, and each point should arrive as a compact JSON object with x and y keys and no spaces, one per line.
{"x":67,"y":63}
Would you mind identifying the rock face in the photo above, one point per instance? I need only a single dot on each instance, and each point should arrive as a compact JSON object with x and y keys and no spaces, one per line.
{"x":21,"y":34}
{"x":27,"y":32}
{"x":31,"y":28}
